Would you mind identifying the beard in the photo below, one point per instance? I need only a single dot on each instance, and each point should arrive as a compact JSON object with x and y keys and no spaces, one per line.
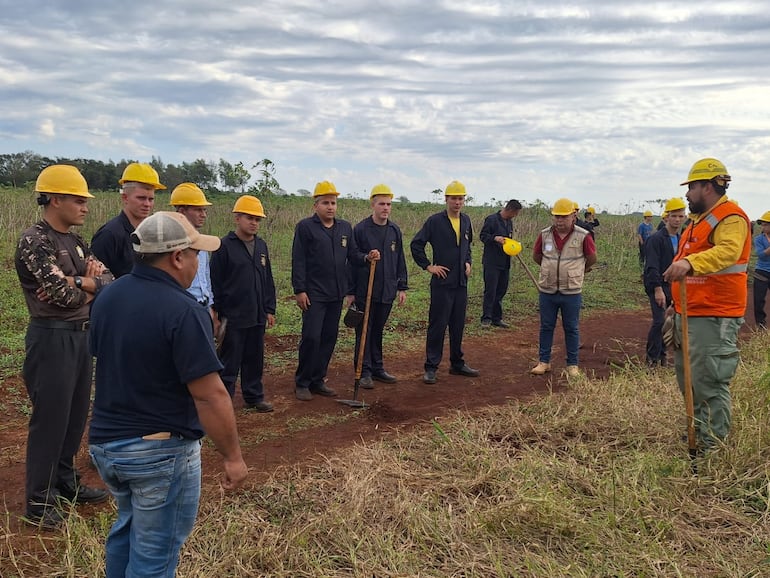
{"x":697,"y":207}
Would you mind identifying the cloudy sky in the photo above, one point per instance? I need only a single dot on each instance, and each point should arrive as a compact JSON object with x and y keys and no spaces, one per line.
{"x":606,"y":102}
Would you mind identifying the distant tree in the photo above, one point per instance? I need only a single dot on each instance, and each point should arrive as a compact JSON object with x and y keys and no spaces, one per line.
{"x":266,"y":183}
{"x":403,"y":199}
{"x":233,"y":177}
{"x":303,"y":192}
{"x":19,"y":168}
{"x":202,"y":173}
{"x":438,"y":193}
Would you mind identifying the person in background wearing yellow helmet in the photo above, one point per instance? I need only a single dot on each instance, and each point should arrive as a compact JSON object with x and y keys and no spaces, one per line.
{"x":713,"y":261}
{"x":322,"y":248}
{"x":762,"y":270}
{"x":659,"y":251}
{"x":112,"y":242}
{"x":590,"y":222}
{"x":643,"y":232}
{"x":496,"y":263}
{"x":59,"y":277}
{"x":564,"y":252}
{"x":390,"y":282}
{"x":244,"y":295}
{"x":450,"y":235}
{"x":189,"y":199}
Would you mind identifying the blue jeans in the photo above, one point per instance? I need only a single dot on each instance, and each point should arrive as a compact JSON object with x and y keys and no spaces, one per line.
{"x":156,"y":484}
{"x":569,"y":305}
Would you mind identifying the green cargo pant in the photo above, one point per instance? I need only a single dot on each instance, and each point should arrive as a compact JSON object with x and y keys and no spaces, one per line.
{"x":714,"y":358}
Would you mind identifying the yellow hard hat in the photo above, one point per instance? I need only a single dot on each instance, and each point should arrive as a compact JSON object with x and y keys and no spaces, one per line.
{"x":707,"y":170}
{"x":674,"y":204}
{"x":648,"y":213}
{"x":62,"y":180}
{"x":575,"y":206}
{"x":188,"y":194}
{"x":250,"y":205}
{"x":141,"y":173}
{"x":591,"y":210}
{"x":664,"y":214}
{"x":455,"y":189}
{"x":511,"y":247}
{"x":765,"y":218}
{"x":380,"y":190}
{"x":563,"y":207}
{"x":325,"y":188}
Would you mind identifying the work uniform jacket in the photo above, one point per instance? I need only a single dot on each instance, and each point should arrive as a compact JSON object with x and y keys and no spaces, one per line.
{"x":563,"y":271}
{"x":243,"y":286}
{"x":658,"y":256}
{"x":438,"y":231}
{"x":494,"y":256}
{"x":319,"y":258}
{"x":390,"y":274}
{"x":112,"y":245}
{"x":719,"y":293}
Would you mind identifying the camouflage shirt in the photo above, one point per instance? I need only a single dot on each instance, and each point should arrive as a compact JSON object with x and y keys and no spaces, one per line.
{"x":44,"y":257}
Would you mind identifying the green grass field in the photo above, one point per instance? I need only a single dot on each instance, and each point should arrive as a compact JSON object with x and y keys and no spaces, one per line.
{"x":591,"y":482}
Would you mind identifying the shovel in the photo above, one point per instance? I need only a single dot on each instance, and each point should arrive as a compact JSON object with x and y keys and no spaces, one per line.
{"x":362,"y":345}
{"x":688,"y":395}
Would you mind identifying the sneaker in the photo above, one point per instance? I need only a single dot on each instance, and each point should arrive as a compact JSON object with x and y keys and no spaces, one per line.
{"x":303,"y":394}
{"x":260,"y":406}
{"x":384,"y":377}
{"x":323,"y":390}
{"x":465,"y":370}
{"x":573,"y":371}
{"x":501,"y":324}
{"x":429,"y":377}
{"x":366,"y":383}
{"x":48,"y":518}
{"x":541,"y":368}
{"x":82,"y":494}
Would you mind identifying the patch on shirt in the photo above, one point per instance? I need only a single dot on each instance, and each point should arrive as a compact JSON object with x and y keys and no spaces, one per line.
{"x":79,"y":249}
{"x":263,"y":259}
{"x":393,"y":246}
{"x":344,"y":241}
{"x":548,"y":247}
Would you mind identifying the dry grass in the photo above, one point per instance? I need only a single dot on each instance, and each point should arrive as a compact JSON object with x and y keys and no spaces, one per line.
{"x":594,"y":482}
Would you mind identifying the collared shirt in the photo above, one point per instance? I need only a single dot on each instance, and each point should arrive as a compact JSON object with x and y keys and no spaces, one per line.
{"x":201,"y":285}
{"x":112,"y":245}
{"x":728,"y":237}
{"x":761,"y":244}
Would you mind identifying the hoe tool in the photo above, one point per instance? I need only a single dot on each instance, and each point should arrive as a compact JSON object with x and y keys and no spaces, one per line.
{"x":362,"y":346}
{"x":688,"y":394}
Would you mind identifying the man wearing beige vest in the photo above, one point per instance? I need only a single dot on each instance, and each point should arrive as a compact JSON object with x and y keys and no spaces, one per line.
{"x":564,"y":252}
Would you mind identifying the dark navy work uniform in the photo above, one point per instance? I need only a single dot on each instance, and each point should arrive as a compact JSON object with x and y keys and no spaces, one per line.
{"x":319,"y":258}
{"x":448,"y":297}
{"x":497,"y":266}
{"x":112,"y":245}
{"x":390,"y":277}
{"x":658,"y":256}
{"x":244,"y":294}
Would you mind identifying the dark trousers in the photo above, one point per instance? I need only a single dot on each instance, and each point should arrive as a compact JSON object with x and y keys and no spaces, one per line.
{"x":320,"y":326}
{"x":57,"y":372}
{"x":372,"y":363}
{"x":447,"y":309}
{"x":656,"y":350}
{"x":495,"y":288}
{"x":760,"y":291}
{"x":243,"y":350}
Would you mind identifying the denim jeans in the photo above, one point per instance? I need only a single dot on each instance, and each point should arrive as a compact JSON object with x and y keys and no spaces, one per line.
{"x":156,"y":484}
{"x":569,"y":305}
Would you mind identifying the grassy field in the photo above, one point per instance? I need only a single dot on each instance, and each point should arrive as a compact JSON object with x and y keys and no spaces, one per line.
{"x":591,"y":482}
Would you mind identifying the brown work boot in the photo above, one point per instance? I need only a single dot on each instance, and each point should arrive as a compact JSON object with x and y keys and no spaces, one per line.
{"x":541,"y":368}
{"x":573,"y":371}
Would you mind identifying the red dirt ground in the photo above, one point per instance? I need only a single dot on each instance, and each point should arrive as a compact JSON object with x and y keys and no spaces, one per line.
{"x":294,"y":433}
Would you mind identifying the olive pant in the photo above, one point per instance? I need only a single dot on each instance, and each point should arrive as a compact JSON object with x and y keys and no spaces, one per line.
{"x":714,"y":357}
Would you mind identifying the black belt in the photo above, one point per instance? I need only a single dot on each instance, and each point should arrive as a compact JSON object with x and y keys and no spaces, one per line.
{"x":81,"y":325}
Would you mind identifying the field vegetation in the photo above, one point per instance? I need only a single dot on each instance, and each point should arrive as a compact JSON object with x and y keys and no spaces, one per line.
{"x":594,"y":481}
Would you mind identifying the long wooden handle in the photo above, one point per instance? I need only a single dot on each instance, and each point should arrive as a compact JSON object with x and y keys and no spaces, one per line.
{"x":688,"y":395}
{"x":531,"y":276}
{"x":365,"y":328}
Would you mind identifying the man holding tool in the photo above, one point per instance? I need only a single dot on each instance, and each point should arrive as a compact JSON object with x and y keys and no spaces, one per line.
{"x":712,"y":264}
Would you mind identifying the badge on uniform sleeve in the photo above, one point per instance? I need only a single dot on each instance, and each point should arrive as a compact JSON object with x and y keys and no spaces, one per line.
{"x":344,"y":241}
{"x":79,"y":249}
{"x":263,"y":259}
{"x":393,"y":246}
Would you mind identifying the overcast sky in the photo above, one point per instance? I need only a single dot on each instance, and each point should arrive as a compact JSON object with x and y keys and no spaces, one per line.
{"x":606,"y":102}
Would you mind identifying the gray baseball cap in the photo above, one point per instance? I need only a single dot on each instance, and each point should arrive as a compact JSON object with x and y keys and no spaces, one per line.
{"x":165,"y":232}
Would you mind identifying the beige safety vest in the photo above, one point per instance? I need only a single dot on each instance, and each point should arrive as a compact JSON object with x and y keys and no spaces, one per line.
{"x":563,"y":271}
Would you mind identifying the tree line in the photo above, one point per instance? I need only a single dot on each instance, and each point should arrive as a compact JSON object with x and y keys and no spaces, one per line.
{"x":21,"y":169}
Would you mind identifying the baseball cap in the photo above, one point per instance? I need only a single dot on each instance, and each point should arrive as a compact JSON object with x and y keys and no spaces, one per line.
{"x":164,"y":232}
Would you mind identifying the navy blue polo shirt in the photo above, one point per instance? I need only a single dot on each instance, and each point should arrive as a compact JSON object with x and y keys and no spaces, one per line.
{"x":150,"y":338}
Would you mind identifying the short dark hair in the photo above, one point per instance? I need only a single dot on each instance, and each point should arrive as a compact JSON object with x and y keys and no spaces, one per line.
{"x":513,"y":205}
{"x":148,"y":258}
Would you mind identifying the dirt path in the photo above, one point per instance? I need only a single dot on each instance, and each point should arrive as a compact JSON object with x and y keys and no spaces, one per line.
{"x":299,"y":432}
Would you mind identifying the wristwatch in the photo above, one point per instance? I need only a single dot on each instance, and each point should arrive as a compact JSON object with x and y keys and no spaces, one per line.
{"x":78,"y":282}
